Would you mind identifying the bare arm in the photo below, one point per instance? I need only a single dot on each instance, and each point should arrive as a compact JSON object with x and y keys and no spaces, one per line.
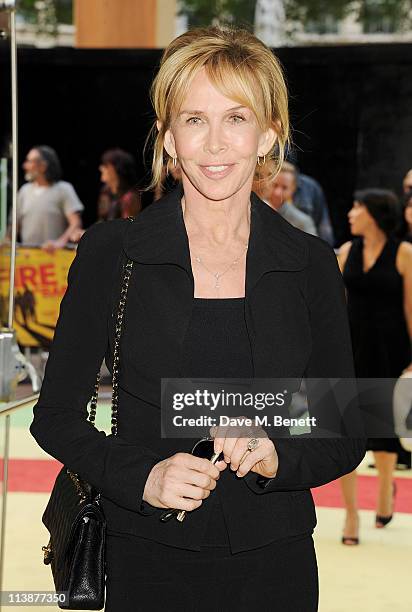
{"x":74,"y":222}
{"x":404,"y":266}
{"x":343,"y":253}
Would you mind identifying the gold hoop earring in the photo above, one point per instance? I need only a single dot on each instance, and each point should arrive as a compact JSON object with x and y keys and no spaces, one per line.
{"x":258,"y":160}
{"x":174,"y":162}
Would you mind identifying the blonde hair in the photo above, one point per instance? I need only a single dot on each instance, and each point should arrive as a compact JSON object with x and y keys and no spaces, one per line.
{"x":240,"y":66}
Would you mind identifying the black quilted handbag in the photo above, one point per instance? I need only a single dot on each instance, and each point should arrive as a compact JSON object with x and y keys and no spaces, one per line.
{"x":74,"y":517}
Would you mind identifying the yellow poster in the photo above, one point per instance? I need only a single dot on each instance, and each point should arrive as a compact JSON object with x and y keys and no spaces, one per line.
{"x":40,"y":283}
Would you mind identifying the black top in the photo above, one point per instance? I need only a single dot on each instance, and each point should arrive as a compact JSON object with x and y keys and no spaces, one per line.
{"x":216,"y":345}
{"x":375,"y":304}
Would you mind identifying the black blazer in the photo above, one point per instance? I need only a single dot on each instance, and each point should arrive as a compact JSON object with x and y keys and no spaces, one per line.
{"x":296,"y":319}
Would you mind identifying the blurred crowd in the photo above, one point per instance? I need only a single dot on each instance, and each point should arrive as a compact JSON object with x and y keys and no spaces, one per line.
{"x":49,"y":211}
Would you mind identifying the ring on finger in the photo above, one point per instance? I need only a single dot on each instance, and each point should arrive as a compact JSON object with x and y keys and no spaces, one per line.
{"x":251,"y":446}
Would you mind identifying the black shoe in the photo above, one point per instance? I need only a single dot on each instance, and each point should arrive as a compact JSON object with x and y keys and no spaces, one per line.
{"x":382,"y":521}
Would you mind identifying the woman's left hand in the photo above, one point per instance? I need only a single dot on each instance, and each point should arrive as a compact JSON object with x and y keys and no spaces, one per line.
{"x":233,"y":442}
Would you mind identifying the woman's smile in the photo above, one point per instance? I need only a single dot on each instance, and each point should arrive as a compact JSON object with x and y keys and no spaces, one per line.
{"x":216,"y":172}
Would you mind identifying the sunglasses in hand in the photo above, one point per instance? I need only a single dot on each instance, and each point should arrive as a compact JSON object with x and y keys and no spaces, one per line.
{"x":204,"y":448}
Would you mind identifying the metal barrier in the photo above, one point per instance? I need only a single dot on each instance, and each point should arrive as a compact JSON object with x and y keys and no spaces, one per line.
{"x":5,"y":412}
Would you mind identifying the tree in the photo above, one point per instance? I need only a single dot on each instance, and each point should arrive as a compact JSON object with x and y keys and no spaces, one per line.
{"x":385,"y":15}
{"x":62,"y":9}
{"x":206,"y":12}
{"x":375,"y":15}
{"x":307,"y":11}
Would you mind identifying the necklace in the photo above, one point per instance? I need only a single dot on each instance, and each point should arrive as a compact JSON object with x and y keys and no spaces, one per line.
{"x":218,"y":275}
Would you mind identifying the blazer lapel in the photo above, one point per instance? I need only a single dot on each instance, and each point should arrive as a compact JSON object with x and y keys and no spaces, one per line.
{"x":158,"y":234}
{"x":272,"y":246}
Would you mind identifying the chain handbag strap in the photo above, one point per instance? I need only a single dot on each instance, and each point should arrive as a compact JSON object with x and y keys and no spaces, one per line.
{"x":119,"y":320}
{"x":93,"y":402}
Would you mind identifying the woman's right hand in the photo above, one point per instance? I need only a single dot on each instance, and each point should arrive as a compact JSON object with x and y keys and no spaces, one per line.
{"x":181,"y":481}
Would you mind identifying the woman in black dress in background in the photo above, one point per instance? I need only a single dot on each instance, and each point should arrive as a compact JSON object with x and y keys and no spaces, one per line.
{"x":377,"y":270}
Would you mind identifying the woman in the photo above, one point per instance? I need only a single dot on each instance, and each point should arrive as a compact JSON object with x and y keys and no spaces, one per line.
{"x":120,"y":198}
{"x":377,"y":271}
{"x":199,"y":304}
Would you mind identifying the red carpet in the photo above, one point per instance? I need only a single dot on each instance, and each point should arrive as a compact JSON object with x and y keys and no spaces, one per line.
{"x":38,"y":475}
{"x":32,"y":475}
{"x":330,"y":496}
